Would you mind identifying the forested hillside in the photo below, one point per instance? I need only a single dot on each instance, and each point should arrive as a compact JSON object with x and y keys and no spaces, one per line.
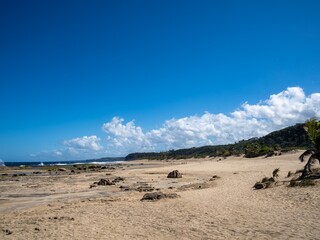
{"x":283,"y":140}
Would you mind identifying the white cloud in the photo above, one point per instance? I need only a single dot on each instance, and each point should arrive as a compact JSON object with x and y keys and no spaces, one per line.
{"x":125,"y":136}
{"x":85,"y":143}
{"x":47,"y":155}
{"x":280,"y":110}
{"x":250,"y":120}
{"x":82,"y":147}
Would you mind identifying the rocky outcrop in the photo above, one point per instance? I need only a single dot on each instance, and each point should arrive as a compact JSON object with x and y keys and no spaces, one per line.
{"x":105,"y":182}
{"x":157,"y":196}
{"x":174,"y":174}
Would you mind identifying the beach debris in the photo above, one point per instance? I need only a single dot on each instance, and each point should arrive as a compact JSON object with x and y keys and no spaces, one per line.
{"x":265,"y":183}
{"x":62,"y":169}
{"x":158,"y":195}
{"x":174,"y":174}
{"x":268,"y":182}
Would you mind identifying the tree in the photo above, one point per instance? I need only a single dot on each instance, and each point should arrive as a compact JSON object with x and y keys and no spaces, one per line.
{"x":312,"y":127}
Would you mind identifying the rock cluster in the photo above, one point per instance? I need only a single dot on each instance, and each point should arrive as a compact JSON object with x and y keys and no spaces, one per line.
{"x":107,"y":182}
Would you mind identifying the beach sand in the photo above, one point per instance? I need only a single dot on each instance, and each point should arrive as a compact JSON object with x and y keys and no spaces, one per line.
{"x":61,"y":205}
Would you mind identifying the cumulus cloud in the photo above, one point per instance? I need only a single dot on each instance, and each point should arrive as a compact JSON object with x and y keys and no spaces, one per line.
{"x":125,"y":136}
{"x":82,"y":147}
{"x":86,"y":143}
{"x":280,"y":110}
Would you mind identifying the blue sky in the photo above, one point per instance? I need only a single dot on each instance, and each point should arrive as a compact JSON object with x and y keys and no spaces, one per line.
{"x":70,"y":69}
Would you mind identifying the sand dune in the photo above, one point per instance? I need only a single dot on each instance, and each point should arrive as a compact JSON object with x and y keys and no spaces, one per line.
{"x":64,"y":207}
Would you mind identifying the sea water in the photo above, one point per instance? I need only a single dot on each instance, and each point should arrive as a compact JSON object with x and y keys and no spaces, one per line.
{"x":60,"y":163}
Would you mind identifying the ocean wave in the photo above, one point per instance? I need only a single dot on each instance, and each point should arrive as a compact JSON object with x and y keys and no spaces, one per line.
{"x":2,"y":163}
{"x":105,"y":162}
{"x":60,"y":164}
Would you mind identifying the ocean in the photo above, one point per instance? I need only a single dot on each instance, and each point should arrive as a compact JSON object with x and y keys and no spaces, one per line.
{"x":62,"y":163}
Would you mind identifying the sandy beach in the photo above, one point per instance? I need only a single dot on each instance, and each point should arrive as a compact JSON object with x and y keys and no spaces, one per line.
{"x":216,"y":201}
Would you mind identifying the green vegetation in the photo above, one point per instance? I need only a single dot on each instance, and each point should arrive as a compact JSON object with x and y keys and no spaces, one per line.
{"x":285,"y":140}
{"x":313,"y":129}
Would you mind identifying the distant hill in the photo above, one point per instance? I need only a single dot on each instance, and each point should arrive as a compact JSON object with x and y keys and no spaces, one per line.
{"x":286,"y":139}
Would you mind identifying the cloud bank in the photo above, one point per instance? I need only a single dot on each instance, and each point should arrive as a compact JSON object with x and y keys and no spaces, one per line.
{"x":280,"y":110}
{"x":250,"y":120}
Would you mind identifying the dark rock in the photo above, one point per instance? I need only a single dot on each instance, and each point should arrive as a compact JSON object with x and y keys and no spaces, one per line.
{"x":7,"y":232}
{"x":214,"y":177}
{"x":158,"y":195}
{"x":145,"y":188}
{"x":174,"y":174}
{"x":118,"y":179}
{"x":259,"y":185}
{"x":105,"y":182}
